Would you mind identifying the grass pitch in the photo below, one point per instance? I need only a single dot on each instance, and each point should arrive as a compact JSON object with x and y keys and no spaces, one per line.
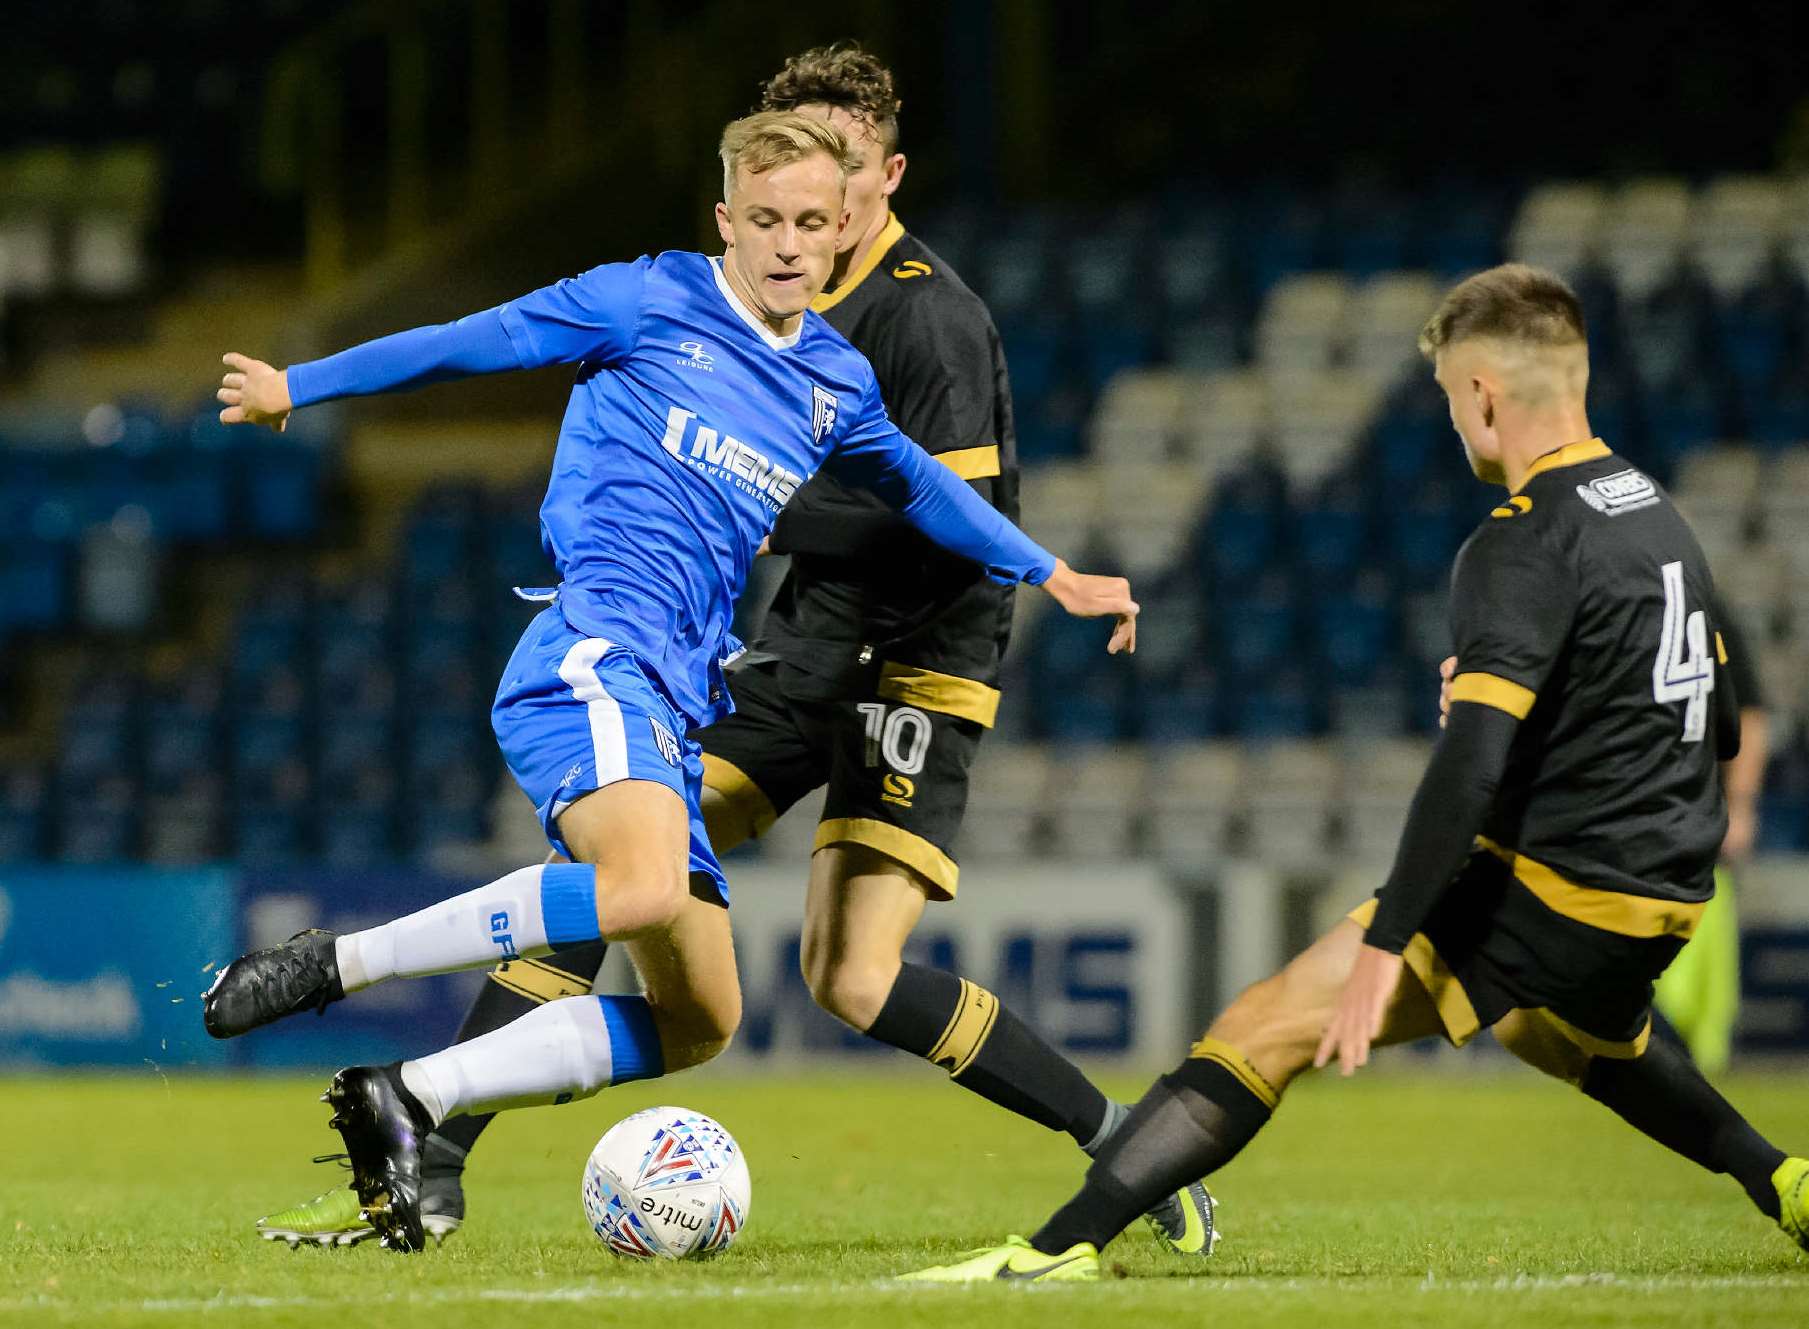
{"x":1397,"y":1199}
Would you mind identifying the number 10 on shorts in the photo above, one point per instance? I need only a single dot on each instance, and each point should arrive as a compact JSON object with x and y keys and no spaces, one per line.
{"x":902,"y":737}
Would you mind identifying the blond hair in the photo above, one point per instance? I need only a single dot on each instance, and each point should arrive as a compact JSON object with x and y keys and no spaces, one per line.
{"x":767,"y":139}
{"x":1509,"y":303}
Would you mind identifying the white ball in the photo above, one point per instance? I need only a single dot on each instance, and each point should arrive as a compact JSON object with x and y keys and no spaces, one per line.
{"x":667,"y":1183}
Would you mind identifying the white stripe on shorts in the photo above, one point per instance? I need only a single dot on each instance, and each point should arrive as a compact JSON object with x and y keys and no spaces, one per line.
{"x":609,"y":743}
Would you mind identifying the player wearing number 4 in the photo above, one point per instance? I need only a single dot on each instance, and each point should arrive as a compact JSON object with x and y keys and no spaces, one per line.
{"x":1562,"y":844}
{"x":669,"y":473}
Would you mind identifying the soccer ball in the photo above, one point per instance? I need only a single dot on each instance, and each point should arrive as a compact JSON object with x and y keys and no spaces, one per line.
{"x":667,"y":1183}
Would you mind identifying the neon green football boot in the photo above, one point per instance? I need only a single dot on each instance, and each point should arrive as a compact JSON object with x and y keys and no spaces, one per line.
{"x":1792,"y":1181}
{"x":332,"y":1219}
{"x":1017,"y":1261}
{"x":1186,"y":1223}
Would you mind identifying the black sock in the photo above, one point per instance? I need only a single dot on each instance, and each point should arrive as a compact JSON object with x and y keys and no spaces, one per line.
{"x":1662,"y":1094}
{"x":513,"y":988}
{"x":1192,"y":1122}
{"x":972,"y":1035}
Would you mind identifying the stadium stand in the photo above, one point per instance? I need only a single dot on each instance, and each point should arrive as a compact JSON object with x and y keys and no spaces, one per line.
{"x":1231,"y":413}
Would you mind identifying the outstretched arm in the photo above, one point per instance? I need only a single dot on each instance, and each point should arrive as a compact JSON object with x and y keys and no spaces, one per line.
{"x":945,"y":508}
{"x":589,"y":317}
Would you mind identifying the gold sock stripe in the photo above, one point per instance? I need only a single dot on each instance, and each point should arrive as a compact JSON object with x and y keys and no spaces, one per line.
{"x":969,"y":1027}
{"x":1222,"y":1053}
{"x":538,"y":982}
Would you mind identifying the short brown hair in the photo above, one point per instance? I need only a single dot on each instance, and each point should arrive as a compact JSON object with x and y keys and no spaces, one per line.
{"x":1512,"y":302}
{"x":776,"y":138}
{"x":844,"y":75}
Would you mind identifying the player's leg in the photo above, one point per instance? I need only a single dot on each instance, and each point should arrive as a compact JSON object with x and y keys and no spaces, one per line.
{"x":860,"y":909}
{"x":1201,"y":1115}
{"x":1652,"y":1084}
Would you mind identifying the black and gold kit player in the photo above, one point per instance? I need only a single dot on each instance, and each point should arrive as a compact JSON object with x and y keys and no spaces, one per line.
{"x":876,"y":671}
{"x":1583,"y":613}
{"x":1561,"y":846}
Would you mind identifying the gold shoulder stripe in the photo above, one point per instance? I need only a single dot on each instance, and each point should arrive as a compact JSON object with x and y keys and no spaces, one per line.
{"x":1492,"y":690}
{"x":882,"y":245}
{"x":1611,"y":911}
{"x":1720,"y":649}
{"x":963,"y":698}
{"x":1216,"y":1050}
{"x":896,"y":843}
{"x":971,"y":463}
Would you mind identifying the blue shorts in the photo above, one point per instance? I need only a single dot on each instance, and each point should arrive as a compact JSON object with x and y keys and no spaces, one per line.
{"x":574,"y":714}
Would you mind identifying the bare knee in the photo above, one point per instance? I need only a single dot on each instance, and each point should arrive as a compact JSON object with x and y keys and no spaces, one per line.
{"x":851,"y":987}
{"x":695,"y":1031}
{"x":638,"y":898}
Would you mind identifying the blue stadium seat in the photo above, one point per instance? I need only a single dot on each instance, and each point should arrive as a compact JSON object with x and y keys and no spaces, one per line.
{"x":1457,"y":231}
{"x":34,"y":583}
{"x":279,"y":482}
{"x":1255,"y":630}
{"x":188,"y":492}
{"x":1353,"y":631}
{"x":1111,"y":347}
{"x":357,"y":835}
{"x":1685,"y":415}
{"x":1242,"y":537}
{"x":1331,"y":537}
{"x":270,"y":836}
{"x":1780,"y":418}
{"x":179,"y":742}
{"x":1423,"y":538}
{"x":1281,"y":709}
{"x":1278,"y":235}
{"x":263,"y":742}
{"x":1368,"y":233}
{"x":1089,"y":709}
{"x":352,"y":742}
{"x":1183,"y":709}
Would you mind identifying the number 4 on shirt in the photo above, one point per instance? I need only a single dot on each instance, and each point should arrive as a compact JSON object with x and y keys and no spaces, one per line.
{"x":1683,"y":669}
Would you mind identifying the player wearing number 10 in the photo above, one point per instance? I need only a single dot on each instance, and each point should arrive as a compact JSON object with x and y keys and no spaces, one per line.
{"x":1562,"y":844}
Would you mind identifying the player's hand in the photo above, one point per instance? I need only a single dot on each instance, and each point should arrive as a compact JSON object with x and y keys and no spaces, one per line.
{"x":1742,"y":830}
{"x":1357,"y":1018}
{"x":766,"y":547}
{"x":1088,"y":596}
{"x":1447,"y":670}
{"x":254,"y":393}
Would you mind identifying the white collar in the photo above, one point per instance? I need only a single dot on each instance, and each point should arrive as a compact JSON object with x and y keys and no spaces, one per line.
{"x":749,"y":317}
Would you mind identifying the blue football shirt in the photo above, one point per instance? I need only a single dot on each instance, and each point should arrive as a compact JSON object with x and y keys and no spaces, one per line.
{"x":690,"y":425}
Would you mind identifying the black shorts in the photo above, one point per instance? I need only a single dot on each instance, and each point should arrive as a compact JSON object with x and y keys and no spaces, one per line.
{"x":1492,"y":946}
{"x":897,"y":772}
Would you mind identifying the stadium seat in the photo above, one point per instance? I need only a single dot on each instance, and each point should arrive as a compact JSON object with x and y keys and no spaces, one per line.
{"x":1734,"y":229}
{"x":1289,"y":790}
{"x":1226,"y":418}
{"x":1382,"y":324}
{"x":1377,"y":781}
{"x":1331,"y":533}
{"x":1317,"y":422}
{"x":1301,"y":324}
{"x":1095,"y":803}
{"x":1352,"y":629}
{"x":1280,"y":707}
{"x":1558,"y":226}
{"x":1137,"y":416}
{"x":1196,"y":793}
{"x":1150,"y":511}
{"x":1643,"y":233}
{"x":1007,"y":804}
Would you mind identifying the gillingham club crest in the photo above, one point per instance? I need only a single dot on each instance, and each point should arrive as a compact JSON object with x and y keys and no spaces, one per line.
{"x":822,"y":413}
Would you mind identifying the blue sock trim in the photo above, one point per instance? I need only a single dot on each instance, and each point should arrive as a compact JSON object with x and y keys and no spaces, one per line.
{"x":568,"y":902}
{"x":634,"y":1043}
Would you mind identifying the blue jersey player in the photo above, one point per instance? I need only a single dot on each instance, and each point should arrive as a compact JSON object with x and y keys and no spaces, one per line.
{"x":706,"y":394}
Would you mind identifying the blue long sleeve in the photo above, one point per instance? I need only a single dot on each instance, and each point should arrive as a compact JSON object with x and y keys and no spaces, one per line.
{"x":941,"y":505}
{"x":477,"y":344}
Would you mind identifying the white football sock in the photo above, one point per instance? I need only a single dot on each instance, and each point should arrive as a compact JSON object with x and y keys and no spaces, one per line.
{"x":510,"y":918}
{"x":566,"y":1049}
